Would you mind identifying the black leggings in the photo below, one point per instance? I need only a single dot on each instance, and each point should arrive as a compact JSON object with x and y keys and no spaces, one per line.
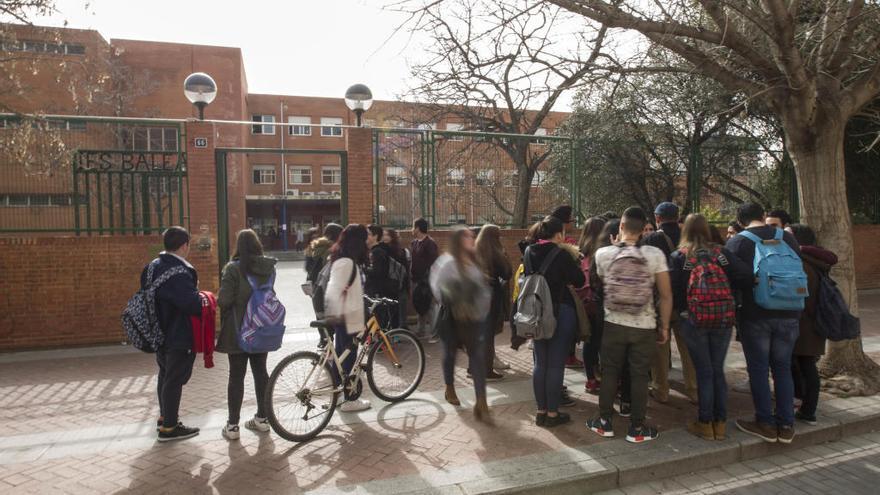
{"x":235,"y":390}
{"x":806,"y":382}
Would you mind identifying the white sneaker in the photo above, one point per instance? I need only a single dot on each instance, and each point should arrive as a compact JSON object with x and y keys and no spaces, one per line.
{"x":500,"y":365}
{"x":257,"y":424}
{"x":230,"y":432}
{"x":531,"y":344}
{"x":355,"y":405}
{"x":433,"y":340}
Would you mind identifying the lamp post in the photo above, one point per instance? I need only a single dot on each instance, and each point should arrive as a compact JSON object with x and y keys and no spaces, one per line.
{"x":359,"y":99}
{"x":200,"y":89}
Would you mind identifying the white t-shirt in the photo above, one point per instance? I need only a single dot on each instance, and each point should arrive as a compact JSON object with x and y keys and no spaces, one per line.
{"x":647,"y":317}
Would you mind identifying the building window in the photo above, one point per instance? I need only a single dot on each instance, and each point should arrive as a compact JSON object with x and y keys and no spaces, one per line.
{"x":19,"y":200}
{"x":540,"y":132}
{"x":538,"y":179}
{"x":511,"y":179}
{"x":395,"y":176}
{"x":457,"y":219}
{"x":331,"y":176}
{"x":455,"y":127}
{"x":264,"y":174}
{"x":485,"y":178}
{"x":263,"y":129}
{"x":455,"y":177}
{"x":330,"y":126}
{"x":300,"y":127}
{"x":300,"y":175}
{"x":152,"y":138}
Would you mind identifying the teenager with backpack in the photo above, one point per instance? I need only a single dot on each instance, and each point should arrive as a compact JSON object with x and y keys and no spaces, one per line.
{"x":401,"y":255}
{"x":703,"y":277}
{"x":810,"y":345}
{"x":768,"y":320}
{"x":248,"y":269}
{"x":666,"y":238}
{"x":589,"y":243}
{"x":176,"y":301}
{"x":630,"y":274}
{"x":344,"y":299}
{"x":458,"y":282}
{"x":550,"y":321}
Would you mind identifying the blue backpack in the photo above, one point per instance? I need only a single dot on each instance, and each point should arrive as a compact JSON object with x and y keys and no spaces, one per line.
{"x":262,"y":328}
{"x":782,"y":282}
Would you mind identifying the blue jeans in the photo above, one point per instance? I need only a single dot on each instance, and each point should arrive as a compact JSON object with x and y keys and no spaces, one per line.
{"x":708,"y":348}
{"x":474,"y":338}
{"x":768,"y":345}
{"x":550,"y":356}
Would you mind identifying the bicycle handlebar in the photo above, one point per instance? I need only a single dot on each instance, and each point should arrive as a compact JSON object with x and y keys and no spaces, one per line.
{"x":379,"y":301}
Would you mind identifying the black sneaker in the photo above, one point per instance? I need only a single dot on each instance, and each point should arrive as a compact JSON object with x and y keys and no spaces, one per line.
{"x":641,"y":434}
{"x":559,"y":419}
{"x":180,"y":432}
{"x":810,"y":420}
{"x":625,"y":409}
{"x":566,"y":401}
{"x":540,"y":419}
{"x":493,"y":376}
{"x":601,"y":427}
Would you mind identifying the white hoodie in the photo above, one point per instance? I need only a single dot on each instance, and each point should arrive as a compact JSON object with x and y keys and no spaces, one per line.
{"x":348,"y":306}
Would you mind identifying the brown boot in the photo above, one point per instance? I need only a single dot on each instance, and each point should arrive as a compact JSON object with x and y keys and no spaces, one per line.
{"x":481,"y":411}
{"x":451,"y":396}
{"x":720,"y":429}
{"x":702,"y":430}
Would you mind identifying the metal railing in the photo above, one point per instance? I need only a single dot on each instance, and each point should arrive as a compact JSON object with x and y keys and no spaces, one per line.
{"x":462,"y":177}
{"x":91,"y":175}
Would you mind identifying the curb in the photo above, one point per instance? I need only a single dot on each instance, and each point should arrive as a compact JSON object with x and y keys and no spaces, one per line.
{"x":617,"y":464}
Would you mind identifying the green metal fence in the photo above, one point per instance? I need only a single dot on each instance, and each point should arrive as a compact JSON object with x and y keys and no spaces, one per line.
{"x":91,"y":175}
{"x":459,"y":177}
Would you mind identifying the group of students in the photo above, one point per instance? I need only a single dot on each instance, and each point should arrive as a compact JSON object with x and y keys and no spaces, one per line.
{"x":624,"y":289}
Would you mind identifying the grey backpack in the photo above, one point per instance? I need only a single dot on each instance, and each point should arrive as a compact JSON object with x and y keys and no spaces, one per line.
{"x":534,"y":318}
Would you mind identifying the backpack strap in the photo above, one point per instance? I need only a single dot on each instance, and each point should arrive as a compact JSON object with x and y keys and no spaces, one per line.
{"x":752,"y":237}
{"x":171,"y":272}
{"x":779,"y":234}
{"x":668,"y":241}
{"x":549,"y":260}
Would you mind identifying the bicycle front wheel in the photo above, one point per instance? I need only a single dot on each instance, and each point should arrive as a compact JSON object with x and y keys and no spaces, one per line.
{"x":301,"y":397}
{"x":394,"y":375}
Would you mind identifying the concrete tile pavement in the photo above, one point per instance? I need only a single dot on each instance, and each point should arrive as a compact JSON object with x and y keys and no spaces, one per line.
{"x":81,"y":421}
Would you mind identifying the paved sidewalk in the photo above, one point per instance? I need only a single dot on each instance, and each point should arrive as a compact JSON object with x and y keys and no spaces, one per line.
{"x":849,"y":466}
{"x":83,"y":421}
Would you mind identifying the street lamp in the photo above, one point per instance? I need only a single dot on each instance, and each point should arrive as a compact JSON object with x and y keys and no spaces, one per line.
{"x":200,"y":89}
{"x":358,"y":99}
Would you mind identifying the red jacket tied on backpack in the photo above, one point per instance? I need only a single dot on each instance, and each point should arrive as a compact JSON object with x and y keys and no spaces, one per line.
{"x":204,"y":328}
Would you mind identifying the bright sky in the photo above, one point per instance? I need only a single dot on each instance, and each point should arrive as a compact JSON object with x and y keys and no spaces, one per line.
{"x":298,"y":47}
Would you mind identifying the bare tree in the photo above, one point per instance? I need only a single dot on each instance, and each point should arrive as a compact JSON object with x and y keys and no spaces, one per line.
{"x":502,"y":67}
{"x":814,"y":65}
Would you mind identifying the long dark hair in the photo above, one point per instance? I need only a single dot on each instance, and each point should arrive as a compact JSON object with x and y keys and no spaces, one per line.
{"x":490,"y":251}
{"x":550,"y":226}
{"x":247,"y":248}
{"x":394,"y":244}
{"x":609,"y":230}
{"x":590,"y":237}
{"x":352,"y":244}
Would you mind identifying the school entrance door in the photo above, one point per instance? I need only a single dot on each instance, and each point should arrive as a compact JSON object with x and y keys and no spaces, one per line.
{"x":310,"y":192}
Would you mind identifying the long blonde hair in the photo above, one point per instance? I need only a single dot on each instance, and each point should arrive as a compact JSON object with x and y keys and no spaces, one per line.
{"x":490,"y":252}
{"x":695,"y":235}
{"x":457,"y":250}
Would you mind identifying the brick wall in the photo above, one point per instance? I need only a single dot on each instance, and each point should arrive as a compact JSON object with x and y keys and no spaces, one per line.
{"x":359,"y":143}
{"x":63,"y":291}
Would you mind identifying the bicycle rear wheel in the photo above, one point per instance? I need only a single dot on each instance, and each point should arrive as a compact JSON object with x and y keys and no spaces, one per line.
{"x":394,"y":376}
{"x":300,"y":397}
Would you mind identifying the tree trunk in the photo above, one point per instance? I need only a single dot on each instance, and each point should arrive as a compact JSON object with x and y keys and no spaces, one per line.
{"x":817,"y":153}
{"x":523,"y":192}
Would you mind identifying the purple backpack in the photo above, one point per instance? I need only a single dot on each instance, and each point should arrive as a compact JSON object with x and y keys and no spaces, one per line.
{"x":262,"y":328}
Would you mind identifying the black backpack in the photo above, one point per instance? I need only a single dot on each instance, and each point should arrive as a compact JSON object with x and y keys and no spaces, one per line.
{"x":833,"y":319}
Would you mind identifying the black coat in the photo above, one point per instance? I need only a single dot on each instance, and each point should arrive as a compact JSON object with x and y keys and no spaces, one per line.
{"x":377,"y":281}
{"x":176,"y":300}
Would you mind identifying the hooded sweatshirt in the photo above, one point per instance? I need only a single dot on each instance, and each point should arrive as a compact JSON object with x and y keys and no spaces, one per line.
{"x":235,"y":291}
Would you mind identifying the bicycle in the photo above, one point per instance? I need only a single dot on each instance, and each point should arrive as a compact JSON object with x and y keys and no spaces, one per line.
{"x":304,"y":388}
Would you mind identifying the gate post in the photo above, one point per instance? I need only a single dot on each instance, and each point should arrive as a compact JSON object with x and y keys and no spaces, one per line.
{"x":357,"y":178}
{"x":202,"y":204}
